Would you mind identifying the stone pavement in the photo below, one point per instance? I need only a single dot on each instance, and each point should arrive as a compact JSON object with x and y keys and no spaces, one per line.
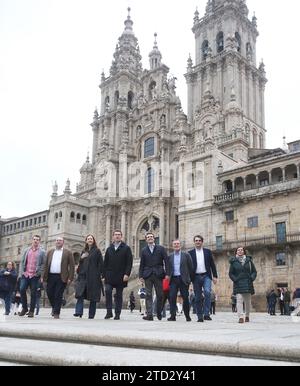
{"x":131,"y":341}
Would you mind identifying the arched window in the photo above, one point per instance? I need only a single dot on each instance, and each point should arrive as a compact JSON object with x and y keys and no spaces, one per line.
{"x":117,"y":97}
{"x":155,"y":224}
{"x":228,"y":186}
{"x":238,"y":42}
{"x":78,"y":218}
{"x":150,"y":181}
{"x":107,"y":103}
{"x":56,"y":217}
{"x":84,"y":219}
{"x":146,"y":226}
{"x":149,"y":150}
{"x":205,"y":47}
{"x":130,"y":100}
{"x":72,"y":217}
{"x":220,"y":42}
{"x":152,"y":90}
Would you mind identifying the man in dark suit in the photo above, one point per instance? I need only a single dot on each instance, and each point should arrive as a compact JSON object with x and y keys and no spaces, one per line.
{"x":59,"y":272}
{"x":117,"y":269}
{"x":181,"y":271}
{"x":205,"y":272}
{"x":153,"y":269}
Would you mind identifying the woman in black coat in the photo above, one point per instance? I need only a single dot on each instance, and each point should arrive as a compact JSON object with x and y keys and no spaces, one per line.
{"x":243,"y":273}
{"x":8,"y":280}
{"x":88,"y":285}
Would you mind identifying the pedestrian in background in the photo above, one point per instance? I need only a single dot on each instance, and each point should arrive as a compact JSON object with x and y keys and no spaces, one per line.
{"x":8,"y":280}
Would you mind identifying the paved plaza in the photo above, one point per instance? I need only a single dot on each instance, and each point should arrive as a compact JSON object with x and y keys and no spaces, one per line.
{"x":131,"y":341}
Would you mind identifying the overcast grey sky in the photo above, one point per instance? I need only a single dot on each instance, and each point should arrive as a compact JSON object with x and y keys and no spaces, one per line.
{"x":52,"y":53}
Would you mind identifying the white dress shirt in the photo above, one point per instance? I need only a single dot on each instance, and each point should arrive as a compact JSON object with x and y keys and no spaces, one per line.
{"x":56,"y":261}
{"x":151,"y":247}
{"x":117,"y":245}
{"x":200,"y":261}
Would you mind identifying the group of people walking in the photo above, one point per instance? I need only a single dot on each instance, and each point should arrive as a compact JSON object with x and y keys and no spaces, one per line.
{"x":286,"y":300}
{"x":97,"y":276}
{"x":198,"y":267}
{"x":180,"y":269}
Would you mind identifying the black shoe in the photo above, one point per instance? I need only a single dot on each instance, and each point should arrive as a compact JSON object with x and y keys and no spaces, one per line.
{"x":172,"y":319}
{"x":109,"y":315}
{"x":188,"y":319}
{"x":76,"y":315}
{"x":159,"y":317}
{"x":23,"y":312}
{"x":117,"y":317}
{"x":207,"y":318}
{"x":200,"y":320}
{"x":91,"y":317}
{"x":149,"y":318}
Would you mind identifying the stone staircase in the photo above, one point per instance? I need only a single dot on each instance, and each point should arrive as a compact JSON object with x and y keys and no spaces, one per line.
{"x":134,"y":342}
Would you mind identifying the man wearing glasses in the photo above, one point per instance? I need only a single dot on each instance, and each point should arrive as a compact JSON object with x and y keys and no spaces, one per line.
{"x":205,"y":273}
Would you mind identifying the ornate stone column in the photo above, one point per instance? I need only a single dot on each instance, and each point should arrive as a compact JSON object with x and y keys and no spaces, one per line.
{"x":123,"y":221}
{"x":162,"y":223}
{"x":108,"y":228}
{"x":283,"y":175}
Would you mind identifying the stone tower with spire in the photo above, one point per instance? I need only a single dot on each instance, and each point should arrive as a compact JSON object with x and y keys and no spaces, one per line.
{"x":225,"y":107}
{"x":140,"y":121}
{"x":225,"y":79}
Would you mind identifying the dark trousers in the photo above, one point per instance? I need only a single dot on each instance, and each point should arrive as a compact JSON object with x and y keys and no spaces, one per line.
{"x":55,"y":292}
{"x":118,"y":298}
{"x":272,"y":308}
{"x":281,"y":305}
{"x":33,"y":284}
{"x":166,"y":297}
{"x":154,"y":281}
{"x":213,"y":308}
{"x":6,"y":296}
{"x":287,"y":308}
{"x":80,"y":305}
{"x":176,"y":284}
{"x":38,"y":300}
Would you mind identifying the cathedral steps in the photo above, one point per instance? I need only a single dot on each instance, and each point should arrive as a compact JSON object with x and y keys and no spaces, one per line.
{"x":71,"y":341}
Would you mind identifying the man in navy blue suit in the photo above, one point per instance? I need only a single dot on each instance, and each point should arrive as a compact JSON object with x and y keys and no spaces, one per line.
{"x":205,"y":272}
{"x":154,"y":268}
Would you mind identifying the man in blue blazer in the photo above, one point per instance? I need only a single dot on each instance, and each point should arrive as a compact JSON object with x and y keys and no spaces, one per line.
{"x":205,"y":272}
{"x":153,"y":269}
{"x":181,"y":272}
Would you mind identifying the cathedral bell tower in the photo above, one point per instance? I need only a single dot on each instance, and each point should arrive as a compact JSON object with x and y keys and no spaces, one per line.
{"x":225,"y":86}
{"x":119,"y":95}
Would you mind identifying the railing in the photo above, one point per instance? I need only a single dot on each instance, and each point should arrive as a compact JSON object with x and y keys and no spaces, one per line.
{"x":281,"y":187}
{"x":227,"y":197}
{"x":265,"y":241}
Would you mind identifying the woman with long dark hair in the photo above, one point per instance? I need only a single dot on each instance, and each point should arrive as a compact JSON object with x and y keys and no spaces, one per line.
{"x":243,"y":273}
{"x":88,"y":285}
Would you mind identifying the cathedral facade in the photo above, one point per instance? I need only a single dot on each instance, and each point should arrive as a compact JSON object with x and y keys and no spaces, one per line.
{"x":155,"y":168}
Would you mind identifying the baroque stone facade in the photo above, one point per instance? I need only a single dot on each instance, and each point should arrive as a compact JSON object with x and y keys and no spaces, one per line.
{"x":223,"y":183}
